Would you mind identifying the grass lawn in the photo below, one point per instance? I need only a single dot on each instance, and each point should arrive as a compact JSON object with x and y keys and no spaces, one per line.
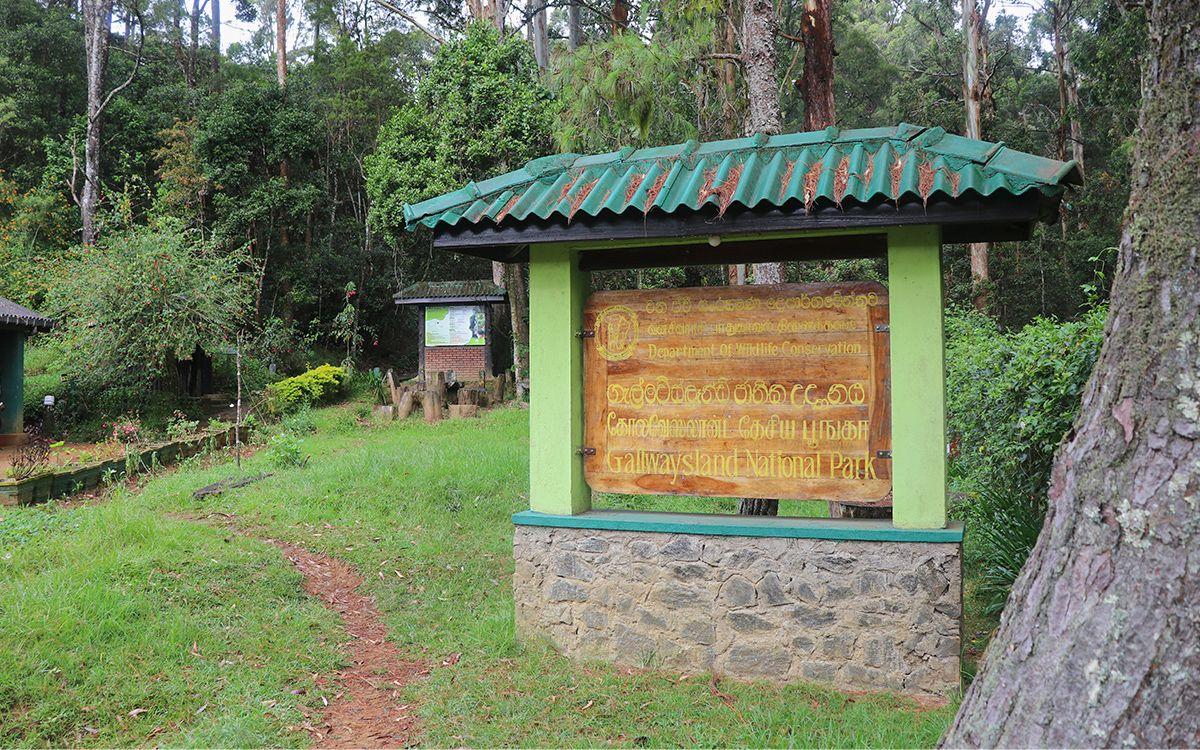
{"x":100,"y":606}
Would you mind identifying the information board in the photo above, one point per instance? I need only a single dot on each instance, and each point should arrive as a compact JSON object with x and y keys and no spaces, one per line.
{"x":455,"y":325}
{"x":741,"y":391}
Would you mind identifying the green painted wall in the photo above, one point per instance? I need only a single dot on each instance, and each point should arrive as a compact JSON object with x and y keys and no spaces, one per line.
{"x":557,"y":291}
{"x":918,"y":378}
{"x":12,"y":382}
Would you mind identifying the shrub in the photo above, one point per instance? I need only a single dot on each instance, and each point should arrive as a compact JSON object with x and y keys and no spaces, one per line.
{"x":284,"y":450}
{"x":299,"y":422}
{"x":317,"y":385}
{"x":1011,"y":396}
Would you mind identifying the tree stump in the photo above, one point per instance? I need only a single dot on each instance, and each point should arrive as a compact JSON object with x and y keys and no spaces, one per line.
{"x":496,"y":389}
{"x":438,"y":386}
{"x":406,"y":405}
{"x":431,"y":403}
{"x":395,"y":392}
{"x":458,"y":411}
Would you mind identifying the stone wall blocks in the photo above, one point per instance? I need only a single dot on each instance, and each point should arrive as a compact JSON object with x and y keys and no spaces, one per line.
{"x":737,"y":592}
{"x":703,"y":632}
{"x":569,"y":565}
{"x":643,"y":548}
{"x":674,"y":595}
{"x":593,"y":544}
{"x":837,"y":647}
{"x":813,"y":617}
{"x":684,"y":548}
{"x":818,"y":671}
{"x":594,"y":617}
{"x":562,"y":590}
{"x":748,"y":622}
{"x":691,"y":571}
{"x":772,"y":589}
{"x":765,"y":660}
{"x":632,"y":647}
{"x":864,"y":616}
{"x":804,"y":592}
{"x":649,"y":619}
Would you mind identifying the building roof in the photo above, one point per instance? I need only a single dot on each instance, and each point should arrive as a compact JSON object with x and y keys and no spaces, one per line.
{"x":802,"y":172}
{"x":13,"y":315}
{"x":447,"y":292}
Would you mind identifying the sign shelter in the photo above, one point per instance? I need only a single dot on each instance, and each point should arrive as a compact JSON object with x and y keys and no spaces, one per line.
{"x":832,"y":392}
{"x":455,"y":327}
{"x":17,"y":323}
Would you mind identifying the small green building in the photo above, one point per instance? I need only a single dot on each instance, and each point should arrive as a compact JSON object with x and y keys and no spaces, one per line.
{"x":16,"y":324}
{"x":858,"y":603}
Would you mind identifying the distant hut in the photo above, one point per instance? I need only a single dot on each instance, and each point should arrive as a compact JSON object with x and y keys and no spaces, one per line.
{"x":16,"y":324}
{"x":457,"y":325}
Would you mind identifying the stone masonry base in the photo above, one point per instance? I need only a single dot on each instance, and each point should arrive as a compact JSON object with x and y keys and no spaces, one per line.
{"x":857,"y":615}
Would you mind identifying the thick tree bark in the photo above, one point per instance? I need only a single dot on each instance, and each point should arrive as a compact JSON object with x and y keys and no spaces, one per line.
{"x":816,"y":82}
{"x":759,"y":28}
{"x":518,"y":307}
{"x":1098,"y":644}
{"x":574,"y":26}
{"x":97,"y":19}
{"x":974,"y":24}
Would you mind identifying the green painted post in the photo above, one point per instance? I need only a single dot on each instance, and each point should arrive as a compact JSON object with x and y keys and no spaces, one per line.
{"x":557,"y":291}
{"x":918,"y":378}
{"x":12,"y":385}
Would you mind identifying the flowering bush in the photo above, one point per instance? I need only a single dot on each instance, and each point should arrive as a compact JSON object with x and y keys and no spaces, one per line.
{"x":127,"y":430}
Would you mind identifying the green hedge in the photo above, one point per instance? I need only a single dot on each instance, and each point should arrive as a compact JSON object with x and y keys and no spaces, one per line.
{"x":1011,"y":397}
{"x":317,"y":385}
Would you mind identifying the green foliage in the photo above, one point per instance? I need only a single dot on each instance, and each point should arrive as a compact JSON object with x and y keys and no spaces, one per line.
{"x":317,"y":385}
{"x":479,"y":111}
{"x":624,"y":92}
{"x":1011,"y":397}
{"x":142,"y":299}
{"x":299,"y":422}
{"x":286,"y":451}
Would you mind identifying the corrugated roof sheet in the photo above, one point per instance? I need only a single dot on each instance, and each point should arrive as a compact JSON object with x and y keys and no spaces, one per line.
{"x":476,"y":290}
{"x":12,"y":314}
{"x":799,"y":168}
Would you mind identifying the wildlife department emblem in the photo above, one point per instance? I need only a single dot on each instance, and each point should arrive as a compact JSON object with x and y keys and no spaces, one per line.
{"x":616,"y":333}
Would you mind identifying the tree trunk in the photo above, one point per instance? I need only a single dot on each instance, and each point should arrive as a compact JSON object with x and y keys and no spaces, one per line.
{"x":619,"y":17}
{"x":216,"y":36}
{"x":574,"y":26}
{"x":974,"y":37}
{"x":540,"y":39}
{"x":193,"y":62}
{"x":1098,"y":644}
{"x":759,"y":28}
{"x":281,"y":42}
{"x":1076,"y":107}
{"x":518,"y":307}
{"x":1069,"y":128}
{"x":817,"y":79}
{"x":97,"y":18}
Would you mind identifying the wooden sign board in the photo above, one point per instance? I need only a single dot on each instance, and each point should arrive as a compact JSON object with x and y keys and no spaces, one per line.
{"x":739,"y":391}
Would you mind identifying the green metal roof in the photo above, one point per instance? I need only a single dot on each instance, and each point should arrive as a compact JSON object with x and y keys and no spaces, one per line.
{"x":821,"y":167}
{"x":425,"y":292}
